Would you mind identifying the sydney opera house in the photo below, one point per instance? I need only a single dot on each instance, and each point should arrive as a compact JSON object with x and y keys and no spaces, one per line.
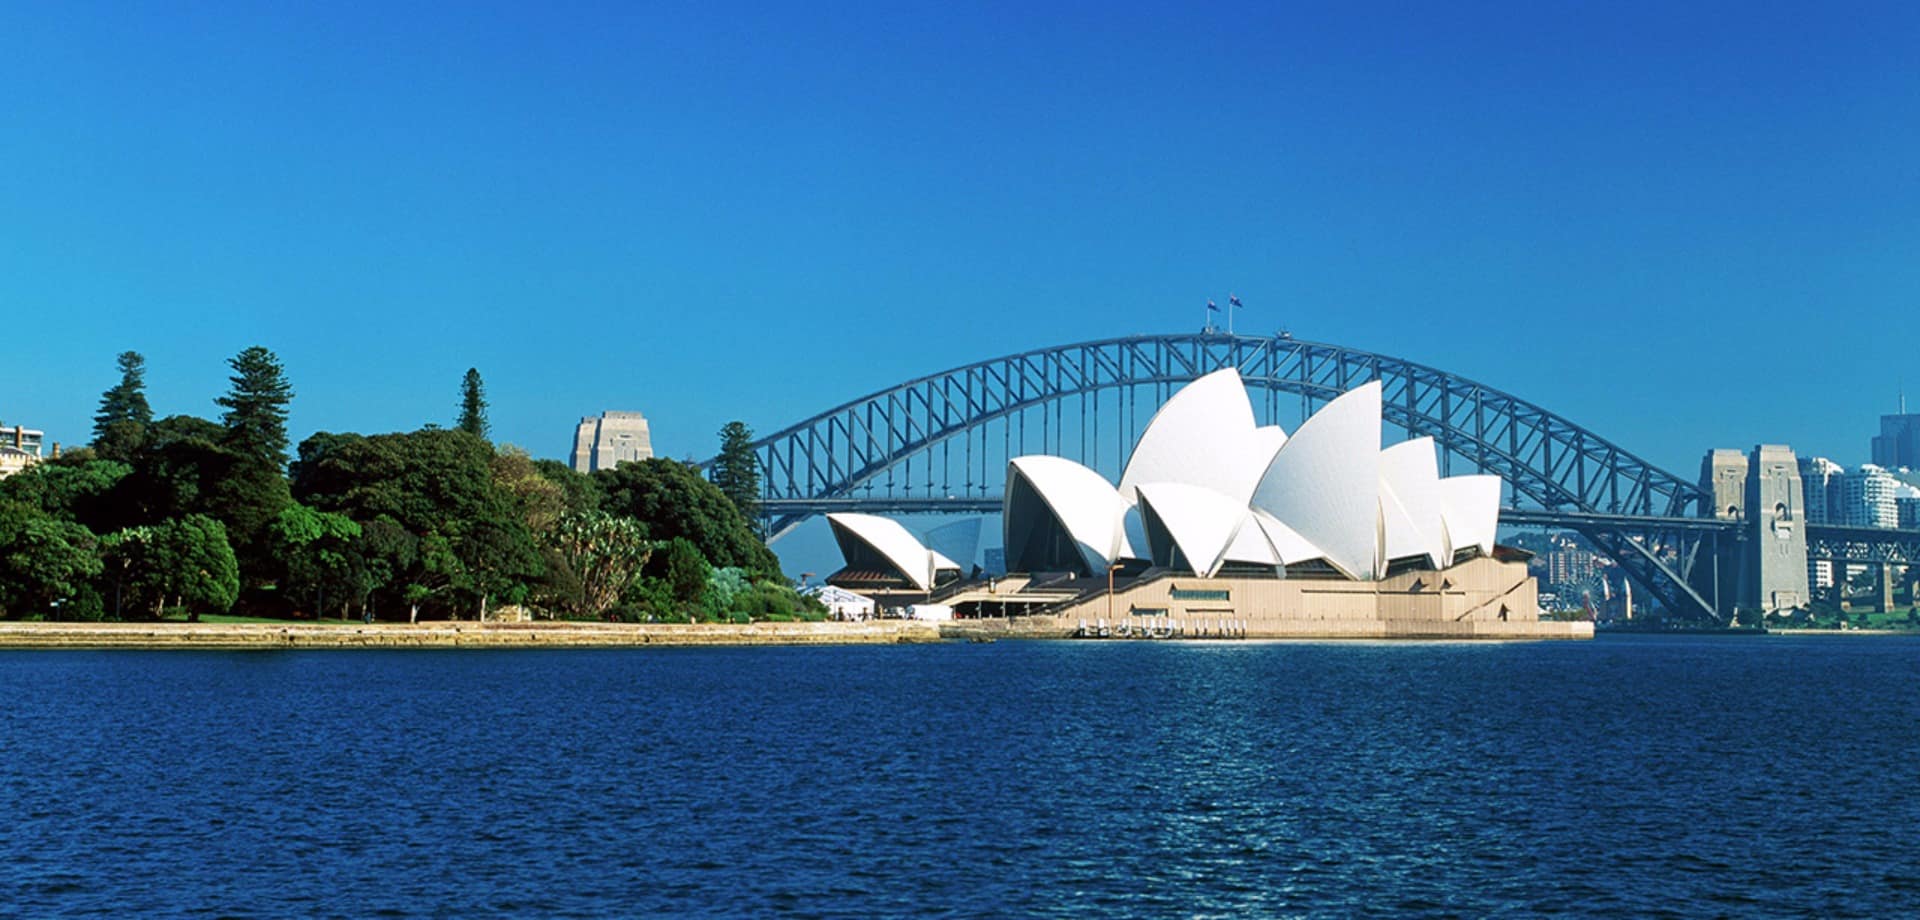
{"x":1220,"y":526}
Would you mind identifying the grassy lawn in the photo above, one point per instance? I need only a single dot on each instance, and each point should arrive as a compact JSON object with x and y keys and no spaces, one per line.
{"x":1894,"y":620}
{"x":222,"y":618}
{"x":1827,"y":618}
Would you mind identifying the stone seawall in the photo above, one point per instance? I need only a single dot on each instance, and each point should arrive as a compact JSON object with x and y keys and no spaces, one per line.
{"x":1065,"y":628}
{"x":454,"y":635}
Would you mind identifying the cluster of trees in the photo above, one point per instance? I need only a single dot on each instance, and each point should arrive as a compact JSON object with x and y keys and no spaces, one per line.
{"x":199,"y":516}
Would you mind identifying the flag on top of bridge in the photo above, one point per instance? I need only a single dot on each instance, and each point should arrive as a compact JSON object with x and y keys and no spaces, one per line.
{"x":1234,"y":300}
{"x":1212,"y":307}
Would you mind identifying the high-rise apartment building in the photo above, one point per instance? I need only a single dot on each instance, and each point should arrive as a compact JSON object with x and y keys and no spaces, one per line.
{"x":604,"y":441}
{"x":1821,"y":477}
{"x":1906,"y":503}
{"x":1826,"y":504}
{"x":1868,"y":498}
{"x":1570,"y":566}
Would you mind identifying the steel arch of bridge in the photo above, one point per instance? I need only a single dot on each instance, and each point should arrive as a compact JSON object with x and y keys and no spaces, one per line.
{"x":834,"y":460}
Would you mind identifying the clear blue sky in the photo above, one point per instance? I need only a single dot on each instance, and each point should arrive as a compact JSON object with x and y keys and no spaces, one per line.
{"x":1636,"y":215}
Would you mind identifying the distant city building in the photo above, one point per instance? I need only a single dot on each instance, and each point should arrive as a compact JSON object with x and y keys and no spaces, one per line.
{"x":1820,"y":574}
{"x":19,"y":448}
{"x":609,"y":439}
{"x":1567,"y":566}
{"x":1571,"y":566}
{"x":1821,"y":478}
{"x":1869,"y":498}
{"x":1906,"y":503}
{"x":1825,"y":504}
{"x":1899,"y":441}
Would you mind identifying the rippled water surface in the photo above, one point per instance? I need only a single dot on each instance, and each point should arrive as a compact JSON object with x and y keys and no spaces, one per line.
{"x":1618,"y":777}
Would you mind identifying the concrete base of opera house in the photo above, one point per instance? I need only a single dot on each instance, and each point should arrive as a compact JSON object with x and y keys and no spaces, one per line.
{"x":1481,"y":598}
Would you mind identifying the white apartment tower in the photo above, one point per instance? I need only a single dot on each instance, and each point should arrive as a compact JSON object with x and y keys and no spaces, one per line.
{"x":1822,"y":478}
{"x":1869,"y":497}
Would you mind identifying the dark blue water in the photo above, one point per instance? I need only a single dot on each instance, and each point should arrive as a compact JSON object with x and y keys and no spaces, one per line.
{"x":1619,"y":777}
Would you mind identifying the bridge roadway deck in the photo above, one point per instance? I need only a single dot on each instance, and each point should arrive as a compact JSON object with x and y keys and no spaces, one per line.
{"x":990,"y":504}
{"x":1837,"y":542}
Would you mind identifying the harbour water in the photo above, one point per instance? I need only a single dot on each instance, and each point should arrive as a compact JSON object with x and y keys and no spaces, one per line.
{"x":1626,"y":776}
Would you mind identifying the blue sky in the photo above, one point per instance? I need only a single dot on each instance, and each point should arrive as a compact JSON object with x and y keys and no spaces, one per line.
{"x":1684,"y":225}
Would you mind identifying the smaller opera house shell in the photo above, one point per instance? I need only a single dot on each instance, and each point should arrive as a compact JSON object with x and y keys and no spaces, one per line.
{"x":1209,"y":496}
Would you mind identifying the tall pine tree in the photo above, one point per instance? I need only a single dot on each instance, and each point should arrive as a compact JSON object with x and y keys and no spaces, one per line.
{"x":121,"y":425}
{"x":256,"y":404}
{"x":737,"y":472}
{"x":473,"y":405}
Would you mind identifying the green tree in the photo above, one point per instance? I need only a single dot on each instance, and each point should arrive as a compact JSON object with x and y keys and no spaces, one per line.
{"x":45,"y":564}
{"x":686,"y":572}
{"x":316,"y":550}
{"x":728,"y":589}
{"x":674,"y":501}
{"x":473,"y":405}
{"x":771,"y":600}
{"x":737,"y":472}
{"x":75,"y":488}
{"x":122,"y":557}
{"x":256,"y":404}
{"x":579,"y":491}
{"x":440,"y":486}
{"x":383,"y":554}
{"x":121,"y":424}
{"x":646,"y":600}
{"x":424,"y":481}
{"x":539,"y":500}
{"x":189,"y":466}
{"x":498,"y":563}
{"x":178,"y":469}
{"x":435,"y":575}
{"x":187,"y":561}
{"x":310,"y":452}
{"x":597,"y":558}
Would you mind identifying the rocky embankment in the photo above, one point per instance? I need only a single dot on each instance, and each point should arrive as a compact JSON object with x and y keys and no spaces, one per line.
{"x":454,"y":635}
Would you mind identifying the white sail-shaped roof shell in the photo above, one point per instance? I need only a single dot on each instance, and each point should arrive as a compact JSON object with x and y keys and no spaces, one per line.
{"x":1251,"y":546}
{"x":1410,"y":503}
{"x":1288,"y":545}
{"x":1050,"y":497}
{"x":1201,"y":523}
{"x":1324,"y":484}
{"x":1470,"y":506}
{"x":891,"y":542}
{"x":1205,"y":436}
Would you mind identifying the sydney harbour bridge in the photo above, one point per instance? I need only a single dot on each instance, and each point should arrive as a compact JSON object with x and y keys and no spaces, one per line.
{"x":939,"y":444}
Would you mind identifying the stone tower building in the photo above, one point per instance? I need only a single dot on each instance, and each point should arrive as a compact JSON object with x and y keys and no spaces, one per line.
{"x":1776,"y":506}
{"x":604,"y":441}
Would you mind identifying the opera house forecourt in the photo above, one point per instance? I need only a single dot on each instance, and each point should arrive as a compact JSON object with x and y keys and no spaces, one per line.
{"x":1221,"y":527}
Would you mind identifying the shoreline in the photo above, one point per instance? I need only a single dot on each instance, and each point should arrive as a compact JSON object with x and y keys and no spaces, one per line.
{"x":461,"y":634}
{"x":238,"y":636}
{"x":1843,"y":632}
